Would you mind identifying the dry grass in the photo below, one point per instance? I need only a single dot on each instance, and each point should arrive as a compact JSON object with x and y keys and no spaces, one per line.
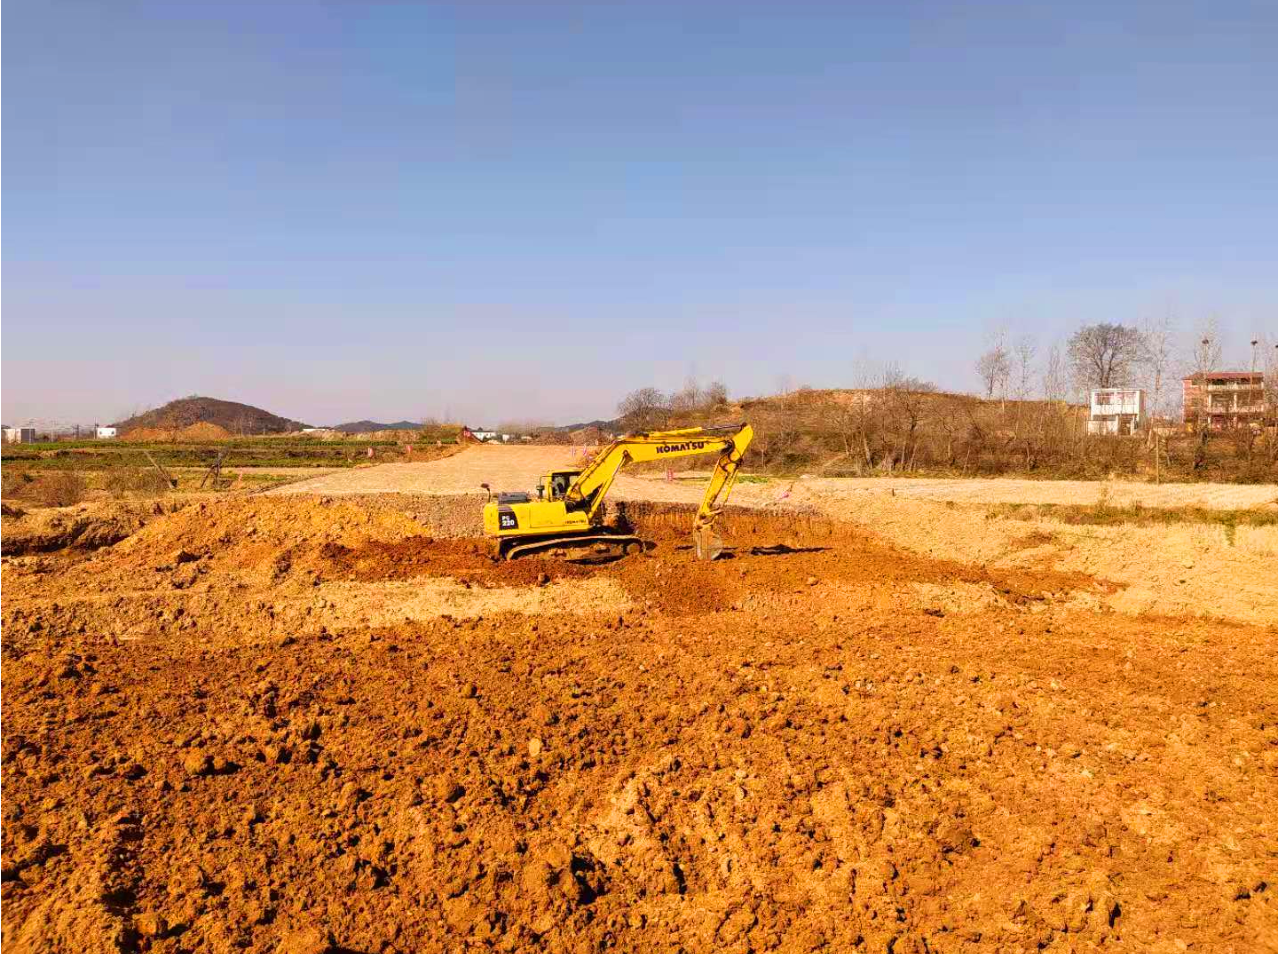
{"x":61,"y":489}
{"x":138,"y":481}
{"x":1104,"y":514}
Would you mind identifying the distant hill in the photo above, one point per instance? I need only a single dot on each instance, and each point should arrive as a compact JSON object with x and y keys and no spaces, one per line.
{"x":235,"y":418}
{"x":367,"y":427}
{"x":609,"y":426}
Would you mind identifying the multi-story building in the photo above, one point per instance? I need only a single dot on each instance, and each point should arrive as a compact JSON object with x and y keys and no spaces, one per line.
{"x":1225,"y":399}
{"x":1116,"y":411}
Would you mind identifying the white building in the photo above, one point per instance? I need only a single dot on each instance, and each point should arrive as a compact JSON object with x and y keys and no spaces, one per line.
{"x":1116,"y":411}
{"x":106,"y":433}
{"x":19,"y":435}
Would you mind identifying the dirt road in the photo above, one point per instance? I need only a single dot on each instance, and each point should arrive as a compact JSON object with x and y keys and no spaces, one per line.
{"x":503,"y":468}
{"x":518,"y":468}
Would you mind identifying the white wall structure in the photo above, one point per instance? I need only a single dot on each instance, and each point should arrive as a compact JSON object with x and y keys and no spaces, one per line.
{"x":105,"y":433}
{"x":19,"y":435}
{"x":1116,"y":411}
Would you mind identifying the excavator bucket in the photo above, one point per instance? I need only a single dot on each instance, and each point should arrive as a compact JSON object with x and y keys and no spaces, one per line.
{"x":709,"y":545}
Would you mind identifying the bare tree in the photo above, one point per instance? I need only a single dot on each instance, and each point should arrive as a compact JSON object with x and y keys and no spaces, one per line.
{"x":1055,"y":375}
{"x":1205,"y":347}
{"x":689,"y":398}
{"x":644,"y":408}
{"x":1269,"y":362}
{"x":903,"y":402}
{"x":1024,"y":351}
{"x":864,"y":372}
{"x":918,"y":385}
{"x":1205,"y":352}
{"x":715,"y":394}
{"x":693,"y":397}
{"x":1102,"y":355}
{"x":994,"y":368}
{"x":890,"y":375}
{"x":1157,"y":349}
{"x":518,"y":428}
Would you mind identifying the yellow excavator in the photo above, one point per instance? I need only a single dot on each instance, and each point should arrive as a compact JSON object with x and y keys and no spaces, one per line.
{"x":567,"y":512}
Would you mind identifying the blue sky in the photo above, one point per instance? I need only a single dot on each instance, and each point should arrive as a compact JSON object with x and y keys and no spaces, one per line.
{"x":492,"y":211}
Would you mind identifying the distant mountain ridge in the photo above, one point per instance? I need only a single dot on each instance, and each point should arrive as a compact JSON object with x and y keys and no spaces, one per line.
{"x":237,"y":419}
{"x":365,"y":427}
{"x":610,"y":426}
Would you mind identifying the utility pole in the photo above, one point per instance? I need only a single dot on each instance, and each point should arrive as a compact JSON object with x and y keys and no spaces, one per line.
{"x":1251,"y":382}
{"x":1202,"y":394}
{"x":1271,"y":389}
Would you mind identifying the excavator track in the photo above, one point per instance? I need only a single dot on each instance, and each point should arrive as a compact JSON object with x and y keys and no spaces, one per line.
{"x":601,"y":546}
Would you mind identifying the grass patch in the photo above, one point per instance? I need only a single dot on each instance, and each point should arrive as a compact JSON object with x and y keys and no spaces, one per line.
{"x":703,"y":477}
{"x":1104,"y":514}
{"x":243,"y":452}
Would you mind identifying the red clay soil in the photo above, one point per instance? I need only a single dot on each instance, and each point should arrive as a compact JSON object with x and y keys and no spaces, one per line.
{"x":467,"y":560}
{"x":795,"y":749}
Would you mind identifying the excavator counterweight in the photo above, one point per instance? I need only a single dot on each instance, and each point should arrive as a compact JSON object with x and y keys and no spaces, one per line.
{"x":567,"y":511}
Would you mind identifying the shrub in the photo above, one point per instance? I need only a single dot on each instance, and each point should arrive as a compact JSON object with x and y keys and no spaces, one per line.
{"x":62,"y":488}
{"x":145,"y":481}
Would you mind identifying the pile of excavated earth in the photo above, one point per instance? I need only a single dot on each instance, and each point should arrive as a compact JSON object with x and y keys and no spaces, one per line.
{"x":298,"y":725}
{"x":197,"y":432}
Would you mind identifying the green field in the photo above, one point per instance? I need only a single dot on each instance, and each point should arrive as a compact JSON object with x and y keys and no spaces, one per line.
{"x":94,"y":455}
{"x":58,"y":473}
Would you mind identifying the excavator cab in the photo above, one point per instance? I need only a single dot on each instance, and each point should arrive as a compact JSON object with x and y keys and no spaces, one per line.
{"x":554,"y":486}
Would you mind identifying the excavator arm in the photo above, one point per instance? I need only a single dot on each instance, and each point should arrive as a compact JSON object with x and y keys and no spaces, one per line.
{"x":730,"y":442}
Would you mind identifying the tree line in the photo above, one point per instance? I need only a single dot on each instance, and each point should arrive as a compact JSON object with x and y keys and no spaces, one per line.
{"x":1153,"y":356}
{"x":1029,"y":417}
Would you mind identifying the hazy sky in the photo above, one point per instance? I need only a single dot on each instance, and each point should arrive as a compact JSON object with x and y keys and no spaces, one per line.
{"x":499,"y":211}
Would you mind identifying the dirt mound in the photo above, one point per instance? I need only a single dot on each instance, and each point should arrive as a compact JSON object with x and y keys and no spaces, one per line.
{"x":85,"y":527}
{"x":198,"y":432}
{"x":202,"y":431}
{"x":147,"y":435}
{"x":256,"y":537}
{"x":288,"y":724}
